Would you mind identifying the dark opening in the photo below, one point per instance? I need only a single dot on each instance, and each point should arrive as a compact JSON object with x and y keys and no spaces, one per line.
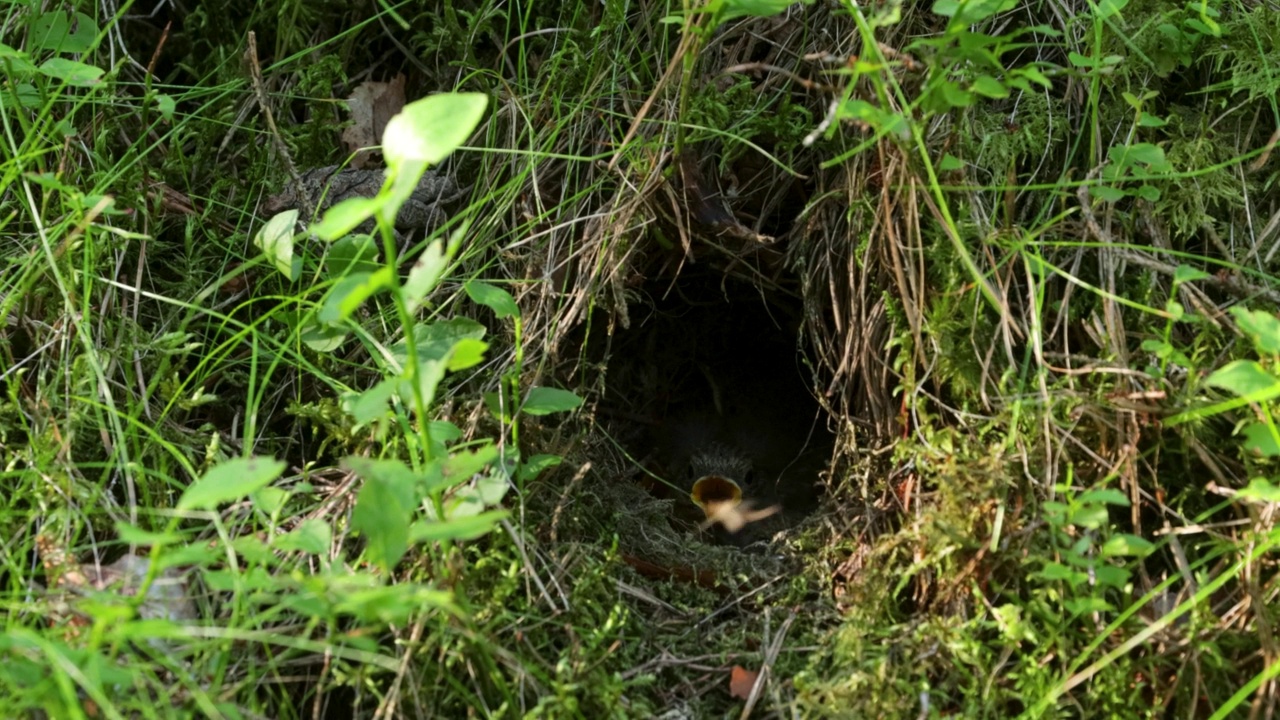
{"x":713,"y":372}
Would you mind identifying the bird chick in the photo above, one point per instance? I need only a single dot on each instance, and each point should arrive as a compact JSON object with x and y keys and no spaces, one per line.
{"x":719,"y":473}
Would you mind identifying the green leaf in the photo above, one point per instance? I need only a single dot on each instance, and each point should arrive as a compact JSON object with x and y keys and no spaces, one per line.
{"x":1110,"y":576}
{"x":532,"y":468}
{"x":424,"y":275}
{"x":428,"y":130}
{"x":1089,"y":516}
{"x":275,"y":240}
{"x":492,"y":297}
{"x":1056,"y":571}
{"x":312,"y":536}
{"x":1260,"y":441}
{"x":383,"y":508}
{"x":371,"y":404}
{"x":1078,"y":606}
{"x":345,"y":216}
{"x":953,"y":95}
{"x":1148,"y":193}
{"x":460,"y":467}
{"x":71,"y":72}
{"x":322,"y":338}
{"x":1186,"y":274}
{"x":1147,"y":154}
{"x":545,"y":400}
{"x":350,"y":293}
{"x":1260,"y":489}
{"x":270,"y":500}
{"x":166,"y":105}
{"x":1108,"y":8}
{"x":468,"y":352}
{"x":1245,"y":378}
{"x":946,"y":8}
{"x":134,"y":535}
{"x":62,"y":33}
{"x":1103,"y":496}
{"x":1261,"y":326}
{"x":493,"y":487}
{"x":1081,"y":61}
{"x":352,"y":254}
{"x":231,"y":480}
{"x":1126,"y":545}
{"x":463,"y":528}
{"x":444,"y":431}
{"x":731,"y":9}
{"x":1035,"y":76}
{"x":950,"y":162}
{"x":989,"y":87}
{"x":500,"y":410}
{"x":392,"y":604}
{"x":436,"y":341}
{"x":429,"y":375}
{"x":1151,"y":121}
{"x":1107,"y":193}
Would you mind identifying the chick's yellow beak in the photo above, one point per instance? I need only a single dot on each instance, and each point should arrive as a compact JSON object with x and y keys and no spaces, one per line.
{"x":713,"y":492}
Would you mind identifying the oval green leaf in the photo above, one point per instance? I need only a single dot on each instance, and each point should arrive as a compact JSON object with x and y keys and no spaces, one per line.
{"x":545,"y":400}
{"x":493,"y":297}
{"x":232,"y":480}
{"x":427,"y":130}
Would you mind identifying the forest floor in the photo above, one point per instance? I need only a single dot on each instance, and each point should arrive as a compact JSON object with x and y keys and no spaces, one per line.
{"x":613,"y":359}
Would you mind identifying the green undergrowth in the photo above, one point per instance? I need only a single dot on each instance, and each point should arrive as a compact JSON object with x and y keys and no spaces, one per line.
{"x":375,"y":474}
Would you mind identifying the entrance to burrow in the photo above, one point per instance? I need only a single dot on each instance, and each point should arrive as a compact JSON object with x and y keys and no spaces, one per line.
{"x":712,"y":378}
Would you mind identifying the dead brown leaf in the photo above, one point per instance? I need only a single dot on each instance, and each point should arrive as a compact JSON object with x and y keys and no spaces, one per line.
{"x":741,"y":680}
{"x":372,"y":104}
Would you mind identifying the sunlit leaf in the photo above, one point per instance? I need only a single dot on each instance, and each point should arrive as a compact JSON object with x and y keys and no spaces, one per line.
{"x":990,"y":87}
{"x":275,"y":240}
{"x":312,"y":536}
{"x":1260,"y":325}
{"x":1260,"y":489}
{"x":427,"y":130}
{"x":468,"y":352}
{"x":1259,"y":440}
{"x":231,"y":480}
{"x":424,"y":275}
{"x":1245,"y":378}
{"x":436,"y":341}
{"x":345,"y":216}
{"x":461,"y":528}
{"x":166,"y":105}
{"x":270,"y":500}
{"x":72,"y":72}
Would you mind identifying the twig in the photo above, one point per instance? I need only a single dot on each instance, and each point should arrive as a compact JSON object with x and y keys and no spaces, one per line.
{"x":770,"y":656}
{"x":260,"y":90}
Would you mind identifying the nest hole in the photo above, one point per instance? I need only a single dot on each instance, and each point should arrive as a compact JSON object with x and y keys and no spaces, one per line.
{"x":712,"y":378}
